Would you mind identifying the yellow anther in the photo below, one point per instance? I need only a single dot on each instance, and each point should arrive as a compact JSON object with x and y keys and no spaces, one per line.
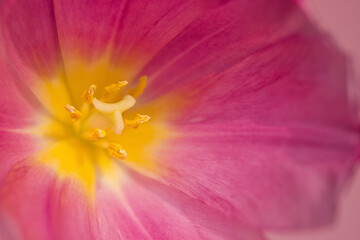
{"x":73,"y":112}
{"x":137,"y":121}
{"x":97,"y":134}
{"x":117,"y":151}
{"x":88,"y":95}
{"x":113,"y":89}
{"x":139,"y":88}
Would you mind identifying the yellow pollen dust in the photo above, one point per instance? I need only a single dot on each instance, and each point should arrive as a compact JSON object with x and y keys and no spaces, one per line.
{"x":113,"y":89}
{"x":111,"y":111}
{"x":137,"y":121}
{"x":97,"y":134}
{"x":73,"y":112}
{"x":88,"y":95}
{"x":117,"y":151}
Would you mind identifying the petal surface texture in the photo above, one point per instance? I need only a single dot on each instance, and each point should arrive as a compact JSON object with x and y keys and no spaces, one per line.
{"x":142,"y":209}
{"x":259,"y":140}
{"x":19,"y":110}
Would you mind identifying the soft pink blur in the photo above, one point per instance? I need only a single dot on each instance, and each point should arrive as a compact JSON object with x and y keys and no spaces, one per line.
{"x":341,"y":19}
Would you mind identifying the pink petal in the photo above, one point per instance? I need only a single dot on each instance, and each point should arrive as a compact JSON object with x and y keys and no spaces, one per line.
{"x":30,"y":34}
{"x":19,"y":107}
{"x":133,"y":31}
{"x":270,"y":140}
{"x":36,"y":204}
{"x":176,"y":35}
{"x":220,"y":38}
{"x":15,"y":147}
{"x":86,"y":27}
{"x":19,"y":110}
{"x":169,"y":214}
{"x":30,"y":59}
{"x":24,"y":201}
{"x":58,"y":209}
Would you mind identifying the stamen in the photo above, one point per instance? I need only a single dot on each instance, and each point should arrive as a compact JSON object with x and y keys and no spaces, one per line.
{"x":73,"y":112}
{"x":88,"y":95}
{"x":112,"y":110}
{"x":139,"y":88}
{"x":137,"y":121}
{"x":114,"y":88}
{"x":117,"y":151}
{"x":97,"y":134}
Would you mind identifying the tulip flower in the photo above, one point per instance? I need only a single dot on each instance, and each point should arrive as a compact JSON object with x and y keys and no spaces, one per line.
{"x":183,"y":119}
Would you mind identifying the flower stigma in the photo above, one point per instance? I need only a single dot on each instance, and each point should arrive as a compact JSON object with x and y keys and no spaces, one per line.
{"x":105,"y":110}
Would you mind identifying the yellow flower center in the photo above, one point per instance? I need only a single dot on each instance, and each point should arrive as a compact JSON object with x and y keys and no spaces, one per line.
{"x":85,"y":132}
{"x":103,"y":110}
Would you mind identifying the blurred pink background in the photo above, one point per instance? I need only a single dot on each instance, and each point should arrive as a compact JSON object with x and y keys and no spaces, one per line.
{"x":341,"y":18}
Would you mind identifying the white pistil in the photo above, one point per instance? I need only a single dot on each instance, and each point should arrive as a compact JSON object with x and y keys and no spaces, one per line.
{"x":116,"y":110}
